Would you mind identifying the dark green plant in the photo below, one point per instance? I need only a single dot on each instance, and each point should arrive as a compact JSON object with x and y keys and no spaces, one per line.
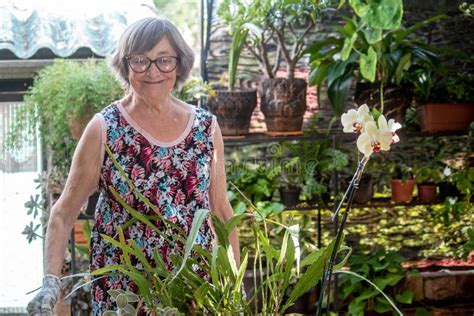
{"x":277,"y":266}
{"x":239,"y":16}
{"x":426,"y":174}
{"x":468,"y":247}
{"x":64,"y":90}
{"x":265,"y":24}
{"x":372,"y":46}
{"x":256,"y":180}
{"x":464,"y":180}
{"x":385,"y":271}
{"x":451,"y":88}
{"x":194,"y":89}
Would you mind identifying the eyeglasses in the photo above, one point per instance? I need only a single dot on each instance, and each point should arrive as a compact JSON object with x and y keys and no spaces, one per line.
{"x":141,"y":63}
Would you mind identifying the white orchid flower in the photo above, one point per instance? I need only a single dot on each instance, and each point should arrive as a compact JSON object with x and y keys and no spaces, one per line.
{"x":375,"y":139}
{"x":447,"y":171}
{"x":393,"y":127}
{"x":355,"y":120}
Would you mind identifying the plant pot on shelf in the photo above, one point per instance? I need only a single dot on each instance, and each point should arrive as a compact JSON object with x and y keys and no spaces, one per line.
{"x":233,"y":110}
{"x":290,"y":196}
{"x":283,"y":102}
{"x":444,"y":117}
{"x":397,"y":99}
{"x":427,"y":191}
{"x":402,"y":191}
{"x":365,"y":192}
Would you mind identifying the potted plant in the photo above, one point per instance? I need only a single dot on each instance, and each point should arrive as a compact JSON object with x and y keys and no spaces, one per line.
{"x":284,"y":25}
{"x":63,"y":98}
{"x":447,"y":185}
{"x":448,"y":105}
{"x":427,"y":176}
{"x":378,"y":52}
{"x":193,"y":90}
{"x":402,"y":182}
{"x":234,"y":107}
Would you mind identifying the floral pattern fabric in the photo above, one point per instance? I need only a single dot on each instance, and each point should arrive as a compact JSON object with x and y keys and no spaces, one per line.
{"x":174,"y":178}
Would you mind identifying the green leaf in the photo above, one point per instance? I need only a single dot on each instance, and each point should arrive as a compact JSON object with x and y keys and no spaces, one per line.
{"x":372,"y":284}
{"x":368,"y":64}
{"x":220,"y":230}
{"x":371,"y":35}
{"x":199,"y":216}
{"x":338,"y":92}
{"x":403,"y":65}
{"x":381,"y":14}
{"x":348,"y":44}
{"x":406,"y":297}
{"x":233,"y":222}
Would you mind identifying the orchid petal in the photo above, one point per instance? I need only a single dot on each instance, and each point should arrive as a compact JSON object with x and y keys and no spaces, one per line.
{"x":363,"y":144}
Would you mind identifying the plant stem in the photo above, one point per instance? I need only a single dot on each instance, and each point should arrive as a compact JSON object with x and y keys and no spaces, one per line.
{"x":381,"y":97}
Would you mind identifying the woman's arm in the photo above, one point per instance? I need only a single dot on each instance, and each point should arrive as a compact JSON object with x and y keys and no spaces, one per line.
{"x":219,"y":202}
{"x":81,"y":183}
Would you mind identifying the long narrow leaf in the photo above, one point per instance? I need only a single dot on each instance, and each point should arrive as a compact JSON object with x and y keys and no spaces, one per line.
{"x":199,"y":216}
{"x":375,"y":286}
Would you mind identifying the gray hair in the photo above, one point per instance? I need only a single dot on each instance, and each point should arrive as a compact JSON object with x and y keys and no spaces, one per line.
{"x":142,"y":36}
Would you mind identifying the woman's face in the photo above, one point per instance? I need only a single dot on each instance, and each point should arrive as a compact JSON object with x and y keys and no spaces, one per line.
{"x":148,"y":81}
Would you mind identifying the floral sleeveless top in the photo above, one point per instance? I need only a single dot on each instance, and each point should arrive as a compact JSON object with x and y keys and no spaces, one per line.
{"x":174,"y":177}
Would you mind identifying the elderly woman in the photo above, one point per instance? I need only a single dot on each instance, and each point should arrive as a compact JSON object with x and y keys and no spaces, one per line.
{"x":172,"y":152}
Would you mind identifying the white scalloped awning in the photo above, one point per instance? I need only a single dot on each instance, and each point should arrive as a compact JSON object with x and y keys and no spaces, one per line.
{"x":65,"y":26}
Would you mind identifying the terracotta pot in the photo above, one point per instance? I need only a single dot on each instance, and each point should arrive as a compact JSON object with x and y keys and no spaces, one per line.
{"x":290,"y":196}
{"x":233,"y":110}
{"x":427,"y":192}
{"x":402,"y":192}
{"x":77,"y":125}
{"x":442,"y":117}
{"x":283,"y":102}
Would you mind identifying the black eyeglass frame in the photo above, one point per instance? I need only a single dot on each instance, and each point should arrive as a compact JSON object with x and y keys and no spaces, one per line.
{"x":152,"y":61}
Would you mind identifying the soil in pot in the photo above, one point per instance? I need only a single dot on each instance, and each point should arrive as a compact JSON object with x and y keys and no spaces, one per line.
{"x":427,"y":192}
{"x":402,"y":191}
{"x":283,"y":102}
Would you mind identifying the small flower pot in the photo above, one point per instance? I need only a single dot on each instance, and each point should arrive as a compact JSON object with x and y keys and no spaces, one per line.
{"x":442,"y":117}
{"x":402,"y":191}
{"x":290,"y":196}
{"x":427,"y":192}
{"x":365,"y":192}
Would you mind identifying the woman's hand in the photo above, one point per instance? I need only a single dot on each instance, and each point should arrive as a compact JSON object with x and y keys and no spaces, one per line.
{"x":43,"y":303}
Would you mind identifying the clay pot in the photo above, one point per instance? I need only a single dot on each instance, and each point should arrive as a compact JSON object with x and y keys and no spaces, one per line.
{"x":402,"y":191}
{"x":283,"y":102}
{"x":233,"y":110}
{"x":427,"y":192}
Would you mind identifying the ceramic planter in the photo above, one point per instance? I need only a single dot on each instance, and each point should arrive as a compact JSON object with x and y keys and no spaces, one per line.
{"x":443,"y":117}
{"x":397,"y":99}
{"x":402,"y":191}
{"x":283,"y":102}
{"x":427,"y":192}
{"x":233,"y":110}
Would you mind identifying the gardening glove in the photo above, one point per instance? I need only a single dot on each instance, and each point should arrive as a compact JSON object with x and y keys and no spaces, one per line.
{"x":44,"y":301}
